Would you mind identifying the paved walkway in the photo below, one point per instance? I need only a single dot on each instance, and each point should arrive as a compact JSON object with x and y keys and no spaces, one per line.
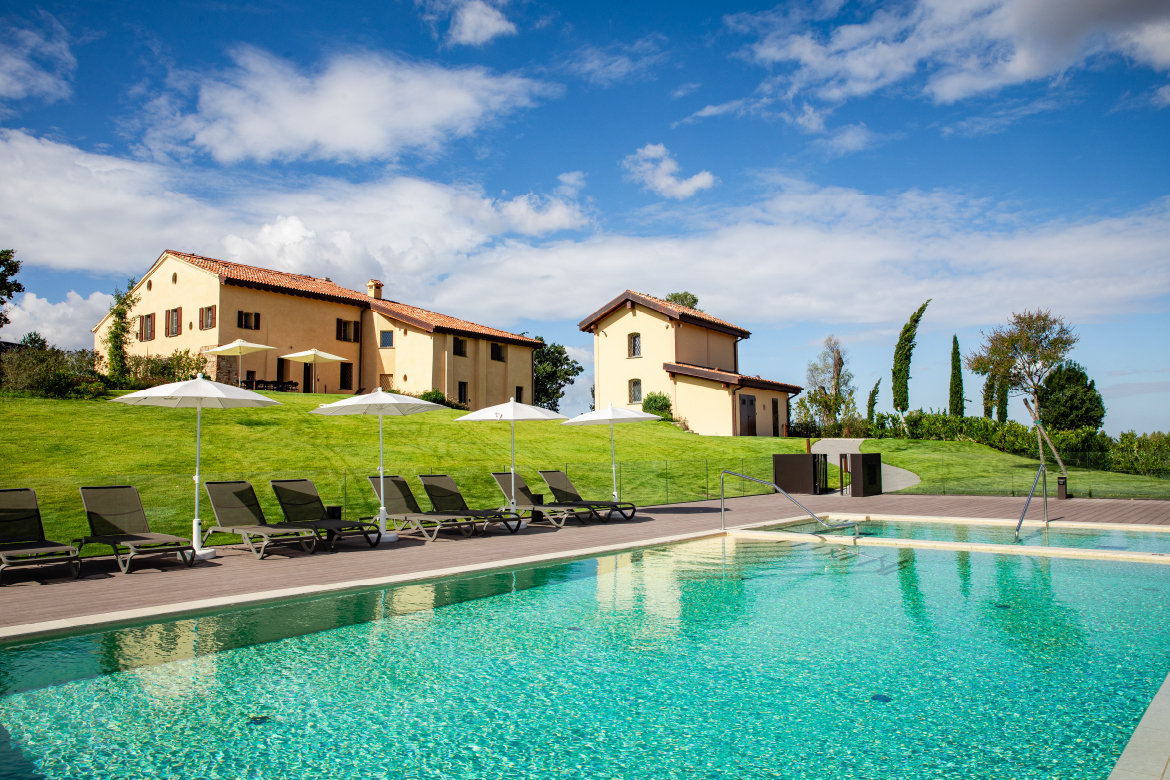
{"x":893,"y":478}
{"x":39,"y":595}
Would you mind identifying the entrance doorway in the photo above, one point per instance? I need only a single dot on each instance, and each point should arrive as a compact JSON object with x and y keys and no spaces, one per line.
{"x":775,"y":416}
{"x":747,"y":415}
{"x":307,"y":377}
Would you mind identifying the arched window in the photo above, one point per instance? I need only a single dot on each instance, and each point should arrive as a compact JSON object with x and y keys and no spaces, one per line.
{"x":635,"y":391}
{"x":635,"y":343}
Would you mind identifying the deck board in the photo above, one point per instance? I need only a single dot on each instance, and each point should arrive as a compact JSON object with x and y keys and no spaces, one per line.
{"x":38,"y":595}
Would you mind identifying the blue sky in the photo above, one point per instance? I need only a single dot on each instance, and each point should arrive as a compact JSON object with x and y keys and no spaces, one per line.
{"x":805,"y":169}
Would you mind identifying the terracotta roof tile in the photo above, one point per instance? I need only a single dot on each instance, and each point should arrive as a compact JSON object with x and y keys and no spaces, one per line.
{"x":702,"y":315}
{"x":730,"y":377}
{"x":313,"y":286}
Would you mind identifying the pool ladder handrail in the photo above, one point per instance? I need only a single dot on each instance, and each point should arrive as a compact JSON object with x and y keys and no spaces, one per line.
{"x":778,"y":489}
{"x":1041,"y":472}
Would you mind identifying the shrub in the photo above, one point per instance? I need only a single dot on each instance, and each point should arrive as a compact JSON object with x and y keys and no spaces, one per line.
{"x":659,"y":404}
{"x":436,"y":396}
{"x":49,"y":371}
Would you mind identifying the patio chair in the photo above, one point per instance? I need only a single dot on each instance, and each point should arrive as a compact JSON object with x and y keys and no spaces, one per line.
{"x":116,"y":518}
{"x":555,"y":513}
{"x":302,"y":505}
{"x":445,"y":497}
{"x":22,"y":535}
{"x":403,"y":509}
{"x":565,"y":493}
{"x":238,"y":512}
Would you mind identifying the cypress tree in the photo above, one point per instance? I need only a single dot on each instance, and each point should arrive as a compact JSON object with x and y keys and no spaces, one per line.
{"x":958,"y":403}
{"x":1001,"y":398}
{"x":988,"y":396}
{"x":873,"y":395}
{"x":902,"y":354}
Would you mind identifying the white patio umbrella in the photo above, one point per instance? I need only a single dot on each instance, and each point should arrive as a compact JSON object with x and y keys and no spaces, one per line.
{"x":239,"y":348}
{"x":202,"y":394}
{"x":611,"y":416}
{"x":380,"y":403}
{"x":313,"y":356}
{"x":511,"y":412}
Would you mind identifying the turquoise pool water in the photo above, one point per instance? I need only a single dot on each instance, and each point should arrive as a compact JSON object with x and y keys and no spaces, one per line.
{"x":1054,"y":536}
{"x":715,"y":659}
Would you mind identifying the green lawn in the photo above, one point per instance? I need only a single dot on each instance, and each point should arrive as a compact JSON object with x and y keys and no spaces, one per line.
{"x":966,"y":468}
{"x":55,"y":446}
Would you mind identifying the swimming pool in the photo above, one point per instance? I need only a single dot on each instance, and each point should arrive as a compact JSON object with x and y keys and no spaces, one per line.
{"x":721,"y":658}
{"x":1079,"y":535}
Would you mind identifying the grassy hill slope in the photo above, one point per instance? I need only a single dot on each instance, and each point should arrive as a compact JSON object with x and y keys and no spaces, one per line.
{"x":55,"y":446}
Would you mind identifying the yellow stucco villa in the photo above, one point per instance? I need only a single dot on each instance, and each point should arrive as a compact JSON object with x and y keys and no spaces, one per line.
{"x":196,"y":303}
{"x":643,"y":344}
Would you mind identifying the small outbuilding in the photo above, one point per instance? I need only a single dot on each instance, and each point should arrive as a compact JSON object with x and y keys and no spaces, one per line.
{"x":643,"y":344}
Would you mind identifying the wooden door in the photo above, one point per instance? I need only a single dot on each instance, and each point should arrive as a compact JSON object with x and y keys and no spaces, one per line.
{"x":747,"y":415}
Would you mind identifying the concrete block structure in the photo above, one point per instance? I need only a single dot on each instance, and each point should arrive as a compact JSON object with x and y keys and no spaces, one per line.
{"x":189,"y":302}
{"x":643,"y":344}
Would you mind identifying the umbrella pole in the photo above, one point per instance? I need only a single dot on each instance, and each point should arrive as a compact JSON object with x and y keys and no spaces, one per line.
{"x":381,"y":481}
{"x":196,"y":527}
{"x":513,"y":465}
{"x":613,"y":462}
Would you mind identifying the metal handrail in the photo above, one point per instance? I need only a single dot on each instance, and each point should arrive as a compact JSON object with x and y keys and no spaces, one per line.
{"x":1040,"y":472}
{"x":778,"y":489}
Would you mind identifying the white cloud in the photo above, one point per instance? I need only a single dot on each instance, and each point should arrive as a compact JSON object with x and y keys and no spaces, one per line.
{"x":1001,"y":118}
{"x":36,"y":62}
{"x":1126,"y":389}
{"x":65,"y":324}
{"x":684,"y":89}
{"x":355,"y":107}
{"x":1161,"y":97}
{"x":621,"y":62}
{"x":653,"y":167}
{"x":846,"y":140}
{"x":781,"y":259}
{"x":571,"y":183}
{"x":475,"y":23}
{"x":959,"y":48}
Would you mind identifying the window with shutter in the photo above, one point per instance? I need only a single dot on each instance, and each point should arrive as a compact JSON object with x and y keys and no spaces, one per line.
{"x":357,"y":325}
{"x":141,"y":323}
{"x":150,"y":327}
{"x":202,"y":318}
{"x":340,"y":330}
{"x":256,"y":320}
{"x":178,"y":320}
{"x":239,"y":319}
{"x":498,"y":352}
{"x":211,"y":316}
{"x":460,"y":347}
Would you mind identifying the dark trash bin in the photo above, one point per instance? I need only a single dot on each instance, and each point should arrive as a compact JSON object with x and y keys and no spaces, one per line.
{"x":1062,"y":487}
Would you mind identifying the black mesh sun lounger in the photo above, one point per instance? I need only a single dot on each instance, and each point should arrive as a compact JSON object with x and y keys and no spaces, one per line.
{"x":565,"y":493}
{"x":445,"y":497}
{"x":22,"y":535}
{"x":116,"y":518}
{"x":302,"y":505}
{"x":554,"y":513}
{"x":238,"y":512}
{"x":407,"y":516}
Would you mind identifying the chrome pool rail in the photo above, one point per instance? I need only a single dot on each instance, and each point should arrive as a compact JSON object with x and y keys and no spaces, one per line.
{"x":778,"y":489}
{"x":1041,"y":472}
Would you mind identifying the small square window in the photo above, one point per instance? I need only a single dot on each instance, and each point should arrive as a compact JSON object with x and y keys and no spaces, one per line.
{"x":635,"y":391}
{"x":459,"y":347}
{"x":635,"y":345}
{"x":498,"y":352}
{"x":386,"y":339}
{"x":519,"y":394}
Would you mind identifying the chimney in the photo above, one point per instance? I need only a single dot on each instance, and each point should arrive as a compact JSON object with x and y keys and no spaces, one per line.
{"x":374,"y":289}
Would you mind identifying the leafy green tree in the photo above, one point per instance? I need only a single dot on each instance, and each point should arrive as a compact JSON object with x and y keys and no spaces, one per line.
{"x":117,"y":337}
{"x":1001,"y":399}
{"x":685,"y":298}
{"x":34,"y":340}
{"x":902,"y":354}
{"x":659,"y":404}
{"x":552,"y":371}
{"x":1024,"y":352}
{"x":9,"y":287}
{"x":829,"y":381}
{"x":958,"y":403}
{"x":872,"y":405}
{"x":1069,"y":399}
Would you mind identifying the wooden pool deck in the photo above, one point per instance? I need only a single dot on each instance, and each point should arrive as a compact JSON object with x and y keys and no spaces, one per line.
{"x":49,"y":601}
